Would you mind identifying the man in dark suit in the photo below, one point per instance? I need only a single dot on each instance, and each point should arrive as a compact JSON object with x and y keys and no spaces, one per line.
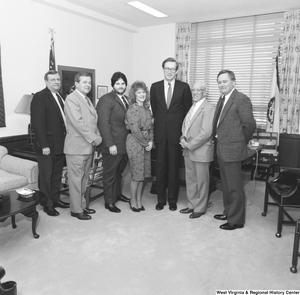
{"x":170,"y":101}
{"x":111,"y":110}
{"x":48,"y":123}
{"x":233,"y":127}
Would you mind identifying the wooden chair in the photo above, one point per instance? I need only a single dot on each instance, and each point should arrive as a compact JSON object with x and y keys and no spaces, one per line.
{"x":95,"y":178}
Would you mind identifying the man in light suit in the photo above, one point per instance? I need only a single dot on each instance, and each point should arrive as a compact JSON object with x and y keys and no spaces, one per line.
{"x":48,"y":124}
{"x":82,"y":136}
{"x":111,"y":110}
{"x":170,"y":101}
{"x":233,"y":126}
{"x":198,"y":151}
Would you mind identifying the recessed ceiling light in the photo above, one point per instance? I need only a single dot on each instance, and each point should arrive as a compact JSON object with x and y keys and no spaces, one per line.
{"x":141,"y":6}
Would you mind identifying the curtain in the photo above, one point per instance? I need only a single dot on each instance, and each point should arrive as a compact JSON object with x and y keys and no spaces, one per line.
{"x":290,"y":78}
{"x":183,"y":40}
{"x":2,"y":110}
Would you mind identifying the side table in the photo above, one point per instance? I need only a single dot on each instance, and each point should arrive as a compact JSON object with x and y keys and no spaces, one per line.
{"x":11,"y":206}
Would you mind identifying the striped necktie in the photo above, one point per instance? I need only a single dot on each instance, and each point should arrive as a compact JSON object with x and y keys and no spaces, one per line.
{"x":60,"y":101}
{"x":125,"y":102}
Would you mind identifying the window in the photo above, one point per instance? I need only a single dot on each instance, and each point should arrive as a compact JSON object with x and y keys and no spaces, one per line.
{"x":247,"y":46}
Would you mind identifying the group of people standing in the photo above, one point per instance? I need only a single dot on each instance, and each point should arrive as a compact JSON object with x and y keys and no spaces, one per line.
{"x":123,"y":128}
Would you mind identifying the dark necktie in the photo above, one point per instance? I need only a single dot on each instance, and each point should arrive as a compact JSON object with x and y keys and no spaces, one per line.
{"x":169,"y":96}
{"x":60,"y":101}
{"x":125,"y":102}
{"x":219,"y":110}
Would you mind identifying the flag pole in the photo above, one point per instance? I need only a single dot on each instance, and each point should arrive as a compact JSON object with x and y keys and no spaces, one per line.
{"x":52,"y":64}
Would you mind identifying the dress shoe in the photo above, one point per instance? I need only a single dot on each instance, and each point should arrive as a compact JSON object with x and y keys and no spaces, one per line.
{"x":81,"y":216}
{"x":186,"y":210}
{"x":159,"y":206}
{"x":51,"y":211}
{"x":60,"y":204}
{"x":123,"y":199}
{"x":112,"y":208}
{"x":142,"y":208}
{"x":231,"y":226}
{"x":65,"y":203}
{"x":89,"y":211}
{"x":173,"y":207}
{"x":195,"y":215}
{"x":220,"y":217}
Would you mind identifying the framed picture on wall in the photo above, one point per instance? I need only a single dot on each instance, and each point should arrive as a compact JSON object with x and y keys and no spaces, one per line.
{"x":67,"y":75}
{"x":101,"y":90}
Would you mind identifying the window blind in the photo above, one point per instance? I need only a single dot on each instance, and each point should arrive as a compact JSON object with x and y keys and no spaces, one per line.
{"x":247,"y":46}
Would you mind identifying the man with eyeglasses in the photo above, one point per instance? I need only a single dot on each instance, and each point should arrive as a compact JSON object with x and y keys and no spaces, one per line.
{"x":170,"y":101}
{"x":198,"y":151}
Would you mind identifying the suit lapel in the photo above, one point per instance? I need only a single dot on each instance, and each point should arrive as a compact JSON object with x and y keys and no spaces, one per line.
{"x":118,"y":100}
{"x":227,"y":105}
{"x":198,"y":112}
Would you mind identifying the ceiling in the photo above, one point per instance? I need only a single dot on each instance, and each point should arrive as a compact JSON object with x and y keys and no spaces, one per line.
{"x":120,"y":14}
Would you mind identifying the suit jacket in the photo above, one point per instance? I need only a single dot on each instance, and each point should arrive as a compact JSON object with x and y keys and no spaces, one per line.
{"x":168,"y":122}
{"x":47,"y":123}
{"x":111,"y":122}
{"x":236,"y":127}
{"x":199,"y":134}
{"x":82,"y":127}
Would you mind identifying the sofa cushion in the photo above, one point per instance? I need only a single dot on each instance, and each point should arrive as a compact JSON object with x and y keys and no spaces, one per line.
{"x":3,"y":152}
{"x":11,"y":181}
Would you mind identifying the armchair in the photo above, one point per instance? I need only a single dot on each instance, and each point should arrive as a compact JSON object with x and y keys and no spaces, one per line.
{"x":285,"y":191}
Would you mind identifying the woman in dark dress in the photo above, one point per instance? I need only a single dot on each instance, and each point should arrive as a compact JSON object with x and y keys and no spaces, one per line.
{"x":139,"y":141}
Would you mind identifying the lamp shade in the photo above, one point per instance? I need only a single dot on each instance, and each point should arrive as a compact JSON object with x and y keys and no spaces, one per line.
{"x":24,"y":104}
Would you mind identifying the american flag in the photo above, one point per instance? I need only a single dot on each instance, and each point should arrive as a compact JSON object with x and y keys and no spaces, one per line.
{"x":52,"y":65}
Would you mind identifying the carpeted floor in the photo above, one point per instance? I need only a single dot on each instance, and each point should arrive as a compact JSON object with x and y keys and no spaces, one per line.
{"x":151,"y":252}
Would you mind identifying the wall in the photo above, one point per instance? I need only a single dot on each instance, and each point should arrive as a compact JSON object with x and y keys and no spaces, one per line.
{"x":79,"y":42}
{"x":152,"y":45}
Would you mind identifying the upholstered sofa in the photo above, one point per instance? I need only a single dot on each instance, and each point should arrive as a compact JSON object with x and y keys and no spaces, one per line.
{"x":16,"y":172}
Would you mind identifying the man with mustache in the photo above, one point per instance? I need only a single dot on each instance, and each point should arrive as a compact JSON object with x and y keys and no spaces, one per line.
{"x":111,"y":110}
{"x":82,"y":136}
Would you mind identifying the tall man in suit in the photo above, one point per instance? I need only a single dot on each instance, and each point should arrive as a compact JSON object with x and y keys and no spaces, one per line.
{"x":234,"y":126}
{"x":48,"y":123}
{"x":82,"y":137}
{"x":198,"y":151}
{"x":111,"y":110}
{"x":170,"y":101}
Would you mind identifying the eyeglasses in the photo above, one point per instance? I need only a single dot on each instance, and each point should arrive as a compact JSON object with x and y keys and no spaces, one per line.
{"x":170,"y":70}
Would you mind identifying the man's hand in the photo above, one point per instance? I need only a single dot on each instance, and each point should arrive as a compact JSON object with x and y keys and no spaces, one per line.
{"x":113,"y":150}
{"x":183,"y":143}
{"x":97,"y":141}
{"x":46,"y":151}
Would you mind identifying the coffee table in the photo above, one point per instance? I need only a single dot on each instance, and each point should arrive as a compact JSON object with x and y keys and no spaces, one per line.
{"x":11,"y":205}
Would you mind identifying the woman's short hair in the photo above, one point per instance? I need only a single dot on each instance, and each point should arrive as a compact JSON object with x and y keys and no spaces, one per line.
{"x":134,"y":88}
{"x":116,"y":76}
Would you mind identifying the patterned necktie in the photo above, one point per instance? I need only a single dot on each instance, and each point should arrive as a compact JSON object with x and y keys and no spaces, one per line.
{"x":169,"y":97}
{"x":222,"y":99}
{"x":60,"y":101}
{"x":125,"y":102}
{"x":189,"y":117}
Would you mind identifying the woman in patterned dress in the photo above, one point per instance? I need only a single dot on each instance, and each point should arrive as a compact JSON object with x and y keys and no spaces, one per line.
{"x":139,"y":141}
